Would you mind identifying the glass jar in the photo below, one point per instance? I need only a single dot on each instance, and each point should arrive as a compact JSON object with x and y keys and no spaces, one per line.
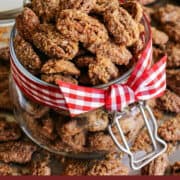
{"x":89,"y":135}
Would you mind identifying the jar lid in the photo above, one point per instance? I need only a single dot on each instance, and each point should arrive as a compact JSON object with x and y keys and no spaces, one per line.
{"x":9,"y":9}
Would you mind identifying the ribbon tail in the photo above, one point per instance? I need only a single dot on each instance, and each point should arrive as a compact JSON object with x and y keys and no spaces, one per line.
{"x":79,"y":99}
{"x":153,"y":82}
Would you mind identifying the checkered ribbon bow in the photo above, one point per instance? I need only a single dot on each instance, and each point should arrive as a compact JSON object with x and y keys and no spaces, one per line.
{"x":144,"y":83}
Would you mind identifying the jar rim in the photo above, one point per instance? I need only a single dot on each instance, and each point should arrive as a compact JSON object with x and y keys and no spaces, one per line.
{"x":120,"y":79}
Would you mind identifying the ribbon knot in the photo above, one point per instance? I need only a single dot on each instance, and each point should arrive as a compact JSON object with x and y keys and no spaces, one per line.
{"x":144,"y":83}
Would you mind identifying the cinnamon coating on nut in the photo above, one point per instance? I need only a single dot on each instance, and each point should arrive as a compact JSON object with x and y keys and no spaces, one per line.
{"x":159,"y":37}
{"x":173,"y":31}
{"x":79,"y":26}
{"x":55,"y":66}
{"x":84,"y":61}
{"x":108,"y":167}
{"x":121,"y":26}
{"x":169,"y":102}
{"x":17,"y":152}
{"x":8,"y":170}
{"x":170,"y":129}
{"x":134,"y":8}
{"x":102,"y":71}
{"x":53,"y":44}
{"x":118,"y":54}
{"x":168,"y":14}
{"x":26,"y":55}
{"x":9,"y":131}
{"x":82,"y":5}
{"x":102,"y":5}
{"x":101,"y":142}
{"x":97,"y":121}
{"x":45,"y":9}
{"x":27,"y":23}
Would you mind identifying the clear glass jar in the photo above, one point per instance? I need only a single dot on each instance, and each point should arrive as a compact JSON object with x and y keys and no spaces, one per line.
{"x":85,"y":136}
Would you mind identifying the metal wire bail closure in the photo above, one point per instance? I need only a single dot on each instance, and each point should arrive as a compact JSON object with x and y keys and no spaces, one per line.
{"x":159,"y":146}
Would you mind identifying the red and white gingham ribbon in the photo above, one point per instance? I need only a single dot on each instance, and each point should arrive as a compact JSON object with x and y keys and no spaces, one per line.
{"x":144,"y":83}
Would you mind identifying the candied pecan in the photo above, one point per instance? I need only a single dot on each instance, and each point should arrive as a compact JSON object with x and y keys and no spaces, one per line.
{"x":168,"y":13}
{"x":46,"y":9}
{"x":26,"y":55}
{"x":121,"y":26}
{"x":53,"y":78}
{"x":157,"y":167}
{"x":9,"y":130}
{"x":108,"y":167}
{"x":76,"y":167}
{"x":173,"y":80}
{"x":72,"y":127}
{"x":53,"y":44}
{"x":102,"y":71}
{"x":170,"y":129}
{"x":101,"y":142}
{"x":142,"y":142}
{"x":5,"y":54}
{"x":102,"y":5}
{"x":8,"y":170}
{"x":173,"y":52}
{"x":27,"y":23}
{"x":159,"y":37}
{"x":84,"y":61}
{"x":169,"y":102}
{"x":17,"y":152}
{"x":119,"y":55}
{"x":35,"y":110}
{"x":175,"y":168}
{"x":79,"y":26}
{"x":97,"y":121}
{"x":5,"y":101}
{"x":137,"y":47}
{"x":42,"y":128}
{"x":39,"y":166}
{"x":55,"y":66}
{"x":134,"y":8}
{"x":83,"y":5}
{"x":76,"y":142}
{"x":173,"y":31}
{"x":4,"y":72}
